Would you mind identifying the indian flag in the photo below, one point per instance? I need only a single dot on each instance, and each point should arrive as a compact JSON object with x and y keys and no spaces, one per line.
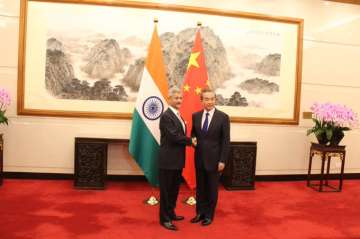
{"x":150,"y":104}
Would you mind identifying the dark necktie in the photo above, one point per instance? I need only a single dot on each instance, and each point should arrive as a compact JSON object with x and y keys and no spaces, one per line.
{"x":206,"y":123}
{"x":181,"y":121}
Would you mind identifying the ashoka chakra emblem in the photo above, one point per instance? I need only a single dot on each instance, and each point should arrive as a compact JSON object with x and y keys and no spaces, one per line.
{"x":152,"y":108}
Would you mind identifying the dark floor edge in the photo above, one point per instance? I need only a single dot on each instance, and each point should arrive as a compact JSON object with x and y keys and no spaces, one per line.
{"x":288,"y":177}
{"x":302,"y":177}
{"x":60,"y":176}
{"x":28,"y":175}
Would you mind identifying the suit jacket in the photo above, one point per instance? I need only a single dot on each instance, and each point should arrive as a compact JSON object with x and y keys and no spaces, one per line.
{"x":172,"y":142}
{"x":212,"y":146}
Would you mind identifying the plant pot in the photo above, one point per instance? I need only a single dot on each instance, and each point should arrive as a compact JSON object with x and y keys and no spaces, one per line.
{"x":322,"y":139}
{"x":336,"y":138}
{"x":1,"y":158}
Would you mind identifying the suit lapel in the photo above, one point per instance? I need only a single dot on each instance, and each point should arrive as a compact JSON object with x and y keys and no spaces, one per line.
{"x":212,"y":122}
{"x":200,"y":119}
{"x":176,"y":119}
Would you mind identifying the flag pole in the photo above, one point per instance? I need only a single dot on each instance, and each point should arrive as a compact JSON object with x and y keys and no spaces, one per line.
{"x":191,"y":201}
{"x":152,"y":200}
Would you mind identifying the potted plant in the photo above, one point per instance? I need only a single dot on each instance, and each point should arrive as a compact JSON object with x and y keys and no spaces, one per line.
{"x":4,"y":103}
{"x":331,"y":120}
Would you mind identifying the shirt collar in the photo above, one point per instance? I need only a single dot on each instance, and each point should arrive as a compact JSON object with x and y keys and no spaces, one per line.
{"x":211,"y":112}
{"x":176,"y":112}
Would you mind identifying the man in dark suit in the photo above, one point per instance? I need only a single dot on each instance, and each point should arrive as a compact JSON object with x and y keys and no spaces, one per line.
{"x":211,"y":127}
{"x":173,"y":140}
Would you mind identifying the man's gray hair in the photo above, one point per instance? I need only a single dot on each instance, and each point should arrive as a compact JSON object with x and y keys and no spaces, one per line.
{"x":174,"y":90}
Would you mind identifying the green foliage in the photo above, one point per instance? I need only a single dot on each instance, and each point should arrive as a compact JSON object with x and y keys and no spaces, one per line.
{"x":3,"y":119}
{"x":327,"y":128}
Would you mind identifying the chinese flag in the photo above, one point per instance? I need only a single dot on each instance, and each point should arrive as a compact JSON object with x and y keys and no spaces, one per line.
{"x":196,"y":78}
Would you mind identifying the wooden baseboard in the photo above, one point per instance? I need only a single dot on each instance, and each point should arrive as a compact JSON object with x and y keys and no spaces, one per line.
{"x":28,"y":175}
{"x":302,"y":177}
{"x":61,"y":176}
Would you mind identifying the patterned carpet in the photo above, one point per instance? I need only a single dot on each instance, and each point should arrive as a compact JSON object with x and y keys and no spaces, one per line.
{"x":54,"y":209}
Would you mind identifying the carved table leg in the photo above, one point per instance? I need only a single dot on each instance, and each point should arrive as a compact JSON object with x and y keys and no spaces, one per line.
{"x":322,"y":172}
{"x":311,"y":155}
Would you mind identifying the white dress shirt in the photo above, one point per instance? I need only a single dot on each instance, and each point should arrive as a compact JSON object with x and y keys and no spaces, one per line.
{"x":211,"y":114}
{"x":176,"y":112}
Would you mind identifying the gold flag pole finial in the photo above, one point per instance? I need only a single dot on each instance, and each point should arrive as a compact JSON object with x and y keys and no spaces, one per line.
{"x":199,"y":24}
{"x":156,"y":20}
{"x":152,"y":201}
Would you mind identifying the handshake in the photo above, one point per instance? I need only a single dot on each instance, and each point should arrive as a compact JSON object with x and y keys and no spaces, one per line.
{"x":194,"y":141}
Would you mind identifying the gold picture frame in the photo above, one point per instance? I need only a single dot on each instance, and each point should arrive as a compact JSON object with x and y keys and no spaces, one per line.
{"x":276,"y":55}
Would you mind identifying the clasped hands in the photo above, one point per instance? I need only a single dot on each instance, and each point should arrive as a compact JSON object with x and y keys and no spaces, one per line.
{"x":194,"y":141}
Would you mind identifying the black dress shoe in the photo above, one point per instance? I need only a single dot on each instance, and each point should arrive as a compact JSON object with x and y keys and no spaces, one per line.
{"x":169,"y":226}
{"x":206,"y":222}
{"x":177,"y":218}
{"x":197,"y":218}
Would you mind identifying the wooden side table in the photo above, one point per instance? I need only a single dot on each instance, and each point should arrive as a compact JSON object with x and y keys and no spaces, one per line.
{"x":90,"y":169}
{"x":326,"y":153}
{"x":239,"y":173}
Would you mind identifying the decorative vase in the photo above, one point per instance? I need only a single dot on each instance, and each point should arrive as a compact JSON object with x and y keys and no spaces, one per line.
{"x":321,"y":138}
{"x":336,"y":138}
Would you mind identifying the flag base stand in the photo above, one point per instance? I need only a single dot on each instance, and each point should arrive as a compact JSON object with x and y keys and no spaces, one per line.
{"x":190,"y":201}
{"x":152,"y":201}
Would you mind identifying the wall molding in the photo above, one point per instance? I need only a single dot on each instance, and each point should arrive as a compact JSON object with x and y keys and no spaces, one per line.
{"x":331,"y":42}
{"x":7,"y":15}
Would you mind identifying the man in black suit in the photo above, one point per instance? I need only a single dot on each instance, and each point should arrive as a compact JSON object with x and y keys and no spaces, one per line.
{"x":173,"y":140}
{"x":211,"y":127}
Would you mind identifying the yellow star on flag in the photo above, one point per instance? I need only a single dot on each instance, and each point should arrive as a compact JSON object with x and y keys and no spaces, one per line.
{"x":193,"y":60}
{"x":198,"y":90}
{"x":186,"y":88}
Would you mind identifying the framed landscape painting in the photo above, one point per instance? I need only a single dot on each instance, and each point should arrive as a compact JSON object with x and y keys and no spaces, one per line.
{"x":85,"y":58}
